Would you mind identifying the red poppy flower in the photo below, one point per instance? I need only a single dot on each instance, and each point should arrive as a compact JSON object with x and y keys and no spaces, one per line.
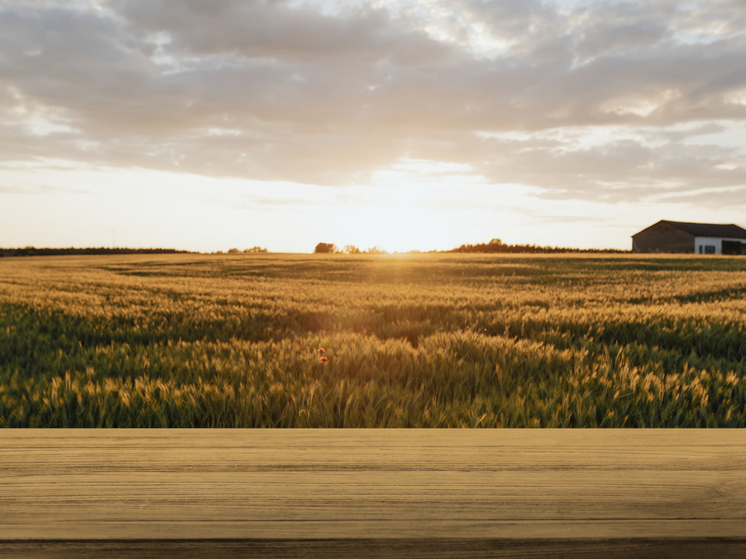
{"x":323,"y":360}
{"x":320,"y":350}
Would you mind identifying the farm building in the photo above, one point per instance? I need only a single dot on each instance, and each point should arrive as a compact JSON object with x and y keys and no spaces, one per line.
{"x":696,"y":238}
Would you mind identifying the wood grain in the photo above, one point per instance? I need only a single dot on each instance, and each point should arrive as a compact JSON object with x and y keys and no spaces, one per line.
{"x":258,"y":492}
{"x":378,"y":549}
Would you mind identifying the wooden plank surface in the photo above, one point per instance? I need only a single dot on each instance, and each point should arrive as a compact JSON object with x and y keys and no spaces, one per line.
{"x":259,"y":492}
{"x":376,"y":548}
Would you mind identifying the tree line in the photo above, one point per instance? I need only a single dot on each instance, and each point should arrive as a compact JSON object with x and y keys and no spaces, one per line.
{"x":331,"y":248}
{"x":33,"y":251}
{"x":494,"y":246}
{"x":497,"y":246}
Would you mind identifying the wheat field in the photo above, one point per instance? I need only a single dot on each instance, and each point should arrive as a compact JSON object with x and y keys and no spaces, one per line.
{"x":430,"y":340}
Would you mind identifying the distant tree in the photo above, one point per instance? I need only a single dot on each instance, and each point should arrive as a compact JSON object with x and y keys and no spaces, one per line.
{"x":351,"y":249}
{"x":256,"y":249}
{"x":327,"y":248}
{"x":233,"y":251}
{"x":497,"y":242}
{"x":376,"y":250}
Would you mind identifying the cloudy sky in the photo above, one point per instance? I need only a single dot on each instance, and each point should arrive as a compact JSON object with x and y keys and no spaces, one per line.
{"x":408,"y":124}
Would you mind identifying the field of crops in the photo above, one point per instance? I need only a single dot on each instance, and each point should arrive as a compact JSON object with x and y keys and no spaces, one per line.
{"x":411,"y":341}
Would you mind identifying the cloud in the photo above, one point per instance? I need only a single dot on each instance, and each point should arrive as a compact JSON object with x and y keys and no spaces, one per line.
{"x":281,"y":91}
{"x":39,"y":189}
{"x":273,"y":29}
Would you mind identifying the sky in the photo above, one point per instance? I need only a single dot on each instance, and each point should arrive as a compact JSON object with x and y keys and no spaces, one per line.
{"x":408,"y":125}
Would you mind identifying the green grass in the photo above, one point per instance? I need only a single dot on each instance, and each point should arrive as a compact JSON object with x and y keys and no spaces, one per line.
{"x":412,"y":341}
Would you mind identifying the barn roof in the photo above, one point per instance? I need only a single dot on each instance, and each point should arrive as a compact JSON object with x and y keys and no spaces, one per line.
{"x":706,"y":229}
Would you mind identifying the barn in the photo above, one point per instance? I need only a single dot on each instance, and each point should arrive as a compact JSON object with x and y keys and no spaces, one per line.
{"x":691,"y":238}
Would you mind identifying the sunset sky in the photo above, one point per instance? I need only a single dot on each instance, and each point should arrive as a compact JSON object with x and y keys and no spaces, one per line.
{"x":405,"y":124}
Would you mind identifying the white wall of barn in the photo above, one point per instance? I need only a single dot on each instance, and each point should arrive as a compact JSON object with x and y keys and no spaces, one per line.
{"x":701,"y":244}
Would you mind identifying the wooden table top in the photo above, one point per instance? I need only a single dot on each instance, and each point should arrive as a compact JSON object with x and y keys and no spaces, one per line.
{"x":376,"y":493}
